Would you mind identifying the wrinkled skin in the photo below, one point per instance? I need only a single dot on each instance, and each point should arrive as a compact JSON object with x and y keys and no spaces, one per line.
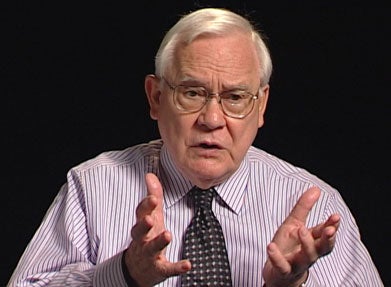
{"x":295,"y":247}
{"x":145,"y":257}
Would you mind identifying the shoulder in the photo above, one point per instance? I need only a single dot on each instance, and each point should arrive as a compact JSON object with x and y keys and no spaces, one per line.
{"x":271,"y":163}
{"x":134,"y":155}
{"x":280,"y":172}
{"x":282,"y":183}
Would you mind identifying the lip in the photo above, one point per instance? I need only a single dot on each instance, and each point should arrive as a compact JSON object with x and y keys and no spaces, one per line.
{"x":208,"y":145}
{"x":207,"y":149}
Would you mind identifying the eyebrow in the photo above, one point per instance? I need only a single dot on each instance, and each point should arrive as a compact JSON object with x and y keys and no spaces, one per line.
{"x":190,"y":81}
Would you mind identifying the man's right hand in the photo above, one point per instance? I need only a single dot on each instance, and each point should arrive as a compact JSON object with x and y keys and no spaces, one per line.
{"x":145,"y":257}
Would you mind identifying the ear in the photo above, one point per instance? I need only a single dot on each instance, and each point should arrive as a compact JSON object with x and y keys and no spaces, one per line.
{"x":152,"y":90}
{"x":264,"y":95}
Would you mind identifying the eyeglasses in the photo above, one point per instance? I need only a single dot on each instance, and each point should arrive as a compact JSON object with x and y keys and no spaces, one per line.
{"x":235,"y":103}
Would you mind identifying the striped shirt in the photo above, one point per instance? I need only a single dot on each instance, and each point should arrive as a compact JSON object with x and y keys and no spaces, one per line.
{"x":88,"y":225}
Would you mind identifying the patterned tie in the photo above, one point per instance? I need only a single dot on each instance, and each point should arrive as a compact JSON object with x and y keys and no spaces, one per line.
{"x":205,"y":246}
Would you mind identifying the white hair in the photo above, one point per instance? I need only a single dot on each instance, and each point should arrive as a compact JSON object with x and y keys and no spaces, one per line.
{"x":211,"y":21}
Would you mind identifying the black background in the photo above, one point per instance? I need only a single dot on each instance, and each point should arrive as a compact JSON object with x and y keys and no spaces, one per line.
{"x":73,"y":88}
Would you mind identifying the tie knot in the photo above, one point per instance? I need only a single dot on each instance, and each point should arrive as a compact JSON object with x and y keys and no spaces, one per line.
{"x":202,"y":197}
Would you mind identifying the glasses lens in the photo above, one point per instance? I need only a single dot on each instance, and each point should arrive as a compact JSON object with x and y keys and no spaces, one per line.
{"x":190,"y":98}
{"x":236,"y":103}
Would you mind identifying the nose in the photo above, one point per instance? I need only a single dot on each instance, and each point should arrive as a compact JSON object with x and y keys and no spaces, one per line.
{"x":212,"y":115}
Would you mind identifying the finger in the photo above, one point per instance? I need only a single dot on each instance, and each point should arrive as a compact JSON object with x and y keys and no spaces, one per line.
{"x":166,"y":269}
{"x":155,"y":191}
{"x":160,"y":242}
{"x":308,"y":248}
{"x":327,"y":241}
{"x":154,"y":186}
{"x":303,"y":206}
{"x":155,"y":247}
{"x":175,"y":269}
{"x":277,"y":259}
{"x":146,"y":207}
{"x":153,"y":199}
{"x":333,"y":220}
{"x":141,"y":228}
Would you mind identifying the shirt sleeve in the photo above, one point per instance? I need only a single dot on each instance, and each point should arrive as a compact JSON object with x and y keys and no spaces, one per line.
{"x":61,"y":253}
{"x":349,"y":263}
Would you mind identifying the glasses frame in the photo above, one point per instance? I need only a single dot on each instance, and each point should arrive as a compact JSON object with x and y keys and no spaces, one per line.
{"x":210,"y":96}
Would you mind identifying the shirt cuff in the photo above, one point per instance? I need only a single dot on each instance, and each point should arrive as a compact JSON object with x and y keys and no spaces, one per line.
{"x":109,"y":273}
{"x":129,"y":280}
{"x":310,"y":282}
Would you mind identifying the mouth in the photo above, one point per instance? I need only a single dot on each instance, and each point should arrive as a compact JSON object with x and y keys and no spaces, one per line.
{"x":209,"y":146}
{"x":207,"y":150}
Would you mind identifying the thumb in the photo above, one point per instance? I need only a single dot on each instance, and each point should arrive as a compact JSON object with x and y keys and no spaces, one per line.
{"x":154,"y":187}
{"x":304,"y":205}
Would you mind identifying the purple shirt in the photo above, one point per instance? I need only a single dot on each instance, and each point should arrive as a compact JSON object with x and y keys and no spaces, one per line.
{"x":85,"y":230}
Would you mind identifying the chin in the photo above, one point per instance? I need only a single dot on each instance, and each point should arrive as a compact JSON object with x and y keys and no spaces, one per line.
{"x":205,"y":175}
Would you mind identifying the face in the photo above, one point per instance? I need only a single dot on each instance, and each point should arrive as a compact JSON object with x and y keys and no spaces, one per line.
{"x":208,"y":146}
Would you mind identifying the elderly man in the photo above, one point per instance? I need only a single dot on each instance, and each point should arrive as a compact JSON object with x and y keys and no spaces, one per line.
{"x":201,"y":206}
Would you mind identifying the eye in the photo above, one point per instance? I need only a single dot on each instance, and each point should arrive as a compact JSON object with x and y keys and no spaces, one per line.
{"x":193,"y":92}
{"x":235,"y":96}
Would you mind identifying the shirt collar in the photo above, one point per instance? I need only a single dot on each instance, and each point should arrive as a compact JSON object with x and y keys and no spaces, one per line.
{"x":176,"y":186}
{"x":232,"y":190}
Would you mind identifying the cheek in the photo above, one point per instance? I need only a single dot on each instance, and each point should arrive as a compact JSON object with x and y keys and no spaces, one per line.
{"x":173,"y":128}
{"x":244,"y":134}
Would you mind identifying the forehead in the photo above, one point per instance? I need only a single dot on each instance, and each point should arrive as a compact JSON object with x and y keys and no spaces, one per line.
{"x":231,"y":58}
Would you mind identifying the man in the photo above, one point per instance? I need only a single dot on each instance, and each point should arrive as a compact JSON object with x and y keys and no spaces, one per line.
{"x":121,"y":218}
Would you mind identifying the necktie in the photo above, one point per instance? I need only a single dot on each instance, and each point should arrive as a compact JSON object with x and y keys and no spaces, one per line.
{"x":205,"y":246}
